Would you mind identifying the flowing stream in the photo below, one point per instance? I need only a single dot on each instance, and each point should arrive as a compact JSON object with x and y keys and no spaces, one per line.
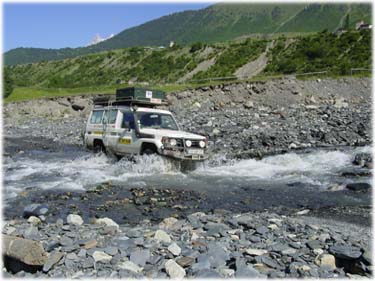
{"x":80,"y":170}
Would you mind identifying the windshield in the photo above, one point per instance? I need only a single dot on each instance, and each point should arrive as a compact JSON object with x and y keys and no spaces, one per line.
{"x":156,"y":120}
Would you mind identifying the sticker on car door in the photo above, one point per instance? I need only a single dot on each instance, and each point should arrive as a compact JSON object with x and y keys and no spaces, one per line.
{"x":125,"y":141}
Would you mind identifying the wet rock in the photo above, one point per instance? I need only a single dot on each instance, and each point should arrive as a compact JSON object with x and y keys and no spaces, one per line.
{"x":363,"y":159}
{"x":303,"y":212}
{"x":174,"y":270}
{"x":35,"y":210}
{"x":360,"y":186}
{"x":74,"y":219}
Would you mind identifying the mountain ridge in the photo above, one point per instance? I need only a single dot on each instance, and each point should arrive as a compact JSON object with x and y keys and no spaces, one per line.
{"x":218,"y":22}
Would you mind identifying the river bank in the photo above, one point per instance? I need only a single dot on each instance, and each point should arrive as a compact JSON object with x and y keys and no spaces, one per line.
{"x":265,"y":117}
{"x":289,"y":196}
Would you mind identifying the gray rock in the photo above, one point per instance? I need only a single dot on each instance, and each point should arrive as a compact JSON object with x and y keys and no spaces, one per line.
{"x":111,"y":250}
{"x":27,"y":251}
{"x":359,"y":186}
{"x":278,"y":247}
{"x":35,"y":210}
{"x":100,"y":256}
{"x":205,"y":264}
{"x":210,"y":273}
{"x":269,"y":262}
{"x":347,"y":252}
{"x":174,"y":270}
{"x":53,"y":259}
{"x":314,"y":244}
{"x":66,"y":241}
{"x":218,"y":255}
{"x":245,"y":271}
{"x":185,"y":261}
{"x":140,"y":257}
{"x":31,"y":233}
{"x":82,"y":253}
{"x":174,"y":249}
{"x":262,"y":230}
{"x":74,"y":219}
{"x":51,"y":245}
{"x":162,"y":236}
{"x":130,"y":266}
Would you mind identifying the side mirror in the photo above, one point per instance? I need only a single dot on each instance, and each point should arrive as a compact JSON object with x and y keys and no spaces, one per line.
{"x":127,"y":125}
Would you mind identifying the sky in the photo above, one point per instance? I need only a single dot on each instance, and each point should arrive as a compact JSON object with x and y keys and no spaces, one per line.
{"x":46,"y":25}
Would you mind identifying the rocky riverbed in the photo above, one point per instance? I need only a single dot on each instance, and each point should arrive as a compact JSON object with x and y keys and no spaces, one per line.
{"x":219,"y":244}
{"x":248,"y":212}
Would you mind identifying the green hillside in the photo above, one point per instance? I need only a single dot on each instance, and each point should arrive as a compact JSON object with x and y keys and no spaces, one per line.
{"x":323,"y":51}
{"x":216,"y":23}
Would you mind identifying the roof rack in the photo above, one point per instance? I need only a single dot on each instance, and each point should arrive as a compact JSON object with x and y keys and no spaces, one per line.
{"x":128,"y":101}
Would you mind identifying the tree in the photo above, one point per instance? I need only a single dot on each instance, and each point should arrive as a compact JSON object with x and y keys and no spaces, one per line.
{"x":8,"y":84}
{"x":196,"y":47}
{"x":347,"y":22}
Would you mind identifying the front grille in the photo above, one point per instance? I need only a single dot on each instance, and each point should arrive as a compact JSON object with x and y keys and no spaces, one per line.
{"x":181,"y":143}
{"x":195,"y":143}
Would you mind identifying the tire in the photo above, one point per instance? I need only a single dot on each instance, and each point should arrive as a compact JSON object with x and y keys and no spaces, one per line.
{"x":99,"y":147}
{"x":148,"y":151}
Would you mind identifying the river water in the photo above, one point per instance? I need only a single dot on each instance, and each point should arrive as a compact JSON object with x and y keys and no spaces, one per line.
{"x":75,"y":169}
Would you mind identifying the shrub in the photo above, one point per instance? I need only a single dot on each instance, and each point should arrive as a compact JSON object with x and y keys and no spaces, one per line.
{"x":8,"y":84}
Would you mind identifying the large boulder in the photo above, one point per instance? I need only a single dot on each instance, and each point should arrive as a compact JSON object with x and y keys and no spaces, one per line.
{"x":28,"y":251}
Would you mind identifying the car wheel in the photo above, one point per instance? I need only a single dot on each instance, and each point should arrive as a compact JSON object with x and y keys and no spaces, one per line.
{"x":148,"y":151}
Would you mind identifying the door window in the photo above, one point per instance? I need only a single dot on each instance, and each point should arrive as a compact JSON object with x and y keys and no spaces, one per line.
{"x":96,"y":117}
{"x":110,"y":116}
{"x":128,"y":117}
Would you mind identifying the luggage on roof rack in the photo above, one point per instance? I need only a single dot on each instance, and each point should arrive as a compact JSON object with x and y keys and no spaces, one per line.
{"x":133,"y":96}
{"x":140,"y":95}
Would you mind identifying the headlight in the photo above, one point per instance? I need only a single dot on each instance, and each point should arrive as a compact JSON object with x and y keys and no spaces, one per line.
{"x":172,"y":142}
{"x":202,"y":144}
{"x":188,"y":143}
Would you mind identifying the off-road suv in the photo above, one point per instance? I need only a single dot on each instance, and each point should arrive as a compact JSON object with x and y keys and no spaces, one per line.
{"x":132,"y":124}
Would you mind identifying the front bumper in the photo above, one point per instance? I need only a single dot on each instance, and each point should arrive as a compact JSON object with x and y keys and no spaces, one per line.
{"x":182,"y":154}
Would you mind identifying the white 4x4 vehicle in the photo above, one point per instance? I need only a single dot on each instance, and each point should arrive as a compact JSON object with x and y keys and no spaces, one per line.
{"x":129,"y":129}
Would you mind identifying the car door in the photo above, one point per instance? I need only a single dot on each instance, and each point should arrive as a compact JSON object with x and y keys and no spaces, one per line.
{"x":128,"y":141}
{"x":110,"y":133}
